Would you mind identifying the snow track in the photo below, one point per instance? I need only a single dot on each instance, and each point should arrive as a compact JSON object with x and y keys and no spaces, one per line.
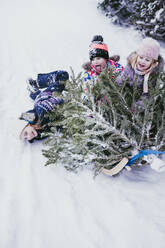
{"x":47,"y":207}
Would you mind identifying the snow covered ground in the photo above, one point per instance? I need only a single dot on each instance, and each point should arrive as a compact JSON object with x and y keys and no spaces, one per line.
{"x":47,"y":207}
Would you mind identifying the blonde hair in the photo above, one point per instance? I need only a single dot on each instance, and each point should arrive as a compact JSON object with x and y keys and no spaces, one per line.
{"x":133,"y":60}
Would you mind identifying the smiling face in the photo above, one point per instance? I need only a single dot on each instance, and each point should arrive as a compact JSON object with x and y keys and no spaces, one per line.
{"x":143,"y":62}
{"x":99,"y":63}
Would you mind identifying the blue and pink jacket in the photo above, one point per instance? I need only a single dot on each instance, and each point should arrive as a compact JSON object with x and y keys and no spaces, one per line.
{"x":90,"y":75}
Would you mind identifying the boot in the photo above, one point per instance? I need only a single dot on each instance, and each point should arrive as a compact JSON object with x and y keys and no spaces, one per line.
{"x":32,"y":85}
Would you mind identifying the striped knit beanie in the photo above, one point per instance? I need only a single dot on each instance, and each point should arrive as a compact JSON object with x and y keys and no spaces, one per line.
{"x":97,"y":48}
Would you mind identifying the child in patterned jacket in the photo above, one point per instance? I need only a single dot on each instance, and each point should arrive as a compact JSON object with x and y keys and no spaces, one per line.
{"x":99,"y":60}
{"x":44,"y":102}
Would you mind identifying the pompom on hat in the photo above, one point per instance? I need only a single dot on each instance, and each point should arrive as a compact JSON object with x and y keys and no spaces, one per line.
{"x":149,"y":48}
{"x":97,"y":48}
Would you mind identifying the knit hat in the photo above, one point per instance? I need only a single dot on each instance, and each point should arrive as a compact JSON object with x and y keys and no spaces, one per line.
{"x":149,"y":48}
{"x":97,"y":48}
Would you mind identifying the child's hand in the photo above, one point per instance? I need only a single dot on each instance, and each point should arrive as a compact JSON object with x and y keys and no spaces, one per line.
{"x":28,"y":133}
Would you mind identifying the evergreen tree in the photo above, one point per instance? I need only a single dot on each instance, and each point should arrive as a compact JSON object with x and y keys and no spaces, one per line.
{"x":147,"y":16}
{"x":114,"y":123}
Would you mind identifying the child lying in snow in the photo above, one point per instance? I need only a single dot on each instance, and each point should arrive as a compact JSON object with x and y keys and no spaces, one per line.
{"x":44,"y":102}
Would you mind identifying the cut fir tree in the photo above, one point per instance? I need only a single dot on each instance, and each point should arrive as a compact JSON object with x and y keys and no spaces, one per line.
{"x":113,"y":124}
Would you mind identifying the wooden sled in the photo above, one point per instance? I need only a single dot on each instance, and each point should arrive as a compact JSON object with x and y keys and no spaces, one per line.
{"x":117,"y":168}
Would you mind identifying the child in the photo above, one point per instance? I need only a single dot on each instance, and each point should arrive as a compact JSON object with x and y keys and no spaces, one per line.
{"x":144,"y":66}
{"x":99,"y":60}
{"x":44,"y":102}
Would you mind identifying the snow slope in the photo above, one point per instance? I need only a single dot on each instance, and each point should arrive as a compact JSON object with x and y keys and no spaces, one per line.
{"x":47,"y":207}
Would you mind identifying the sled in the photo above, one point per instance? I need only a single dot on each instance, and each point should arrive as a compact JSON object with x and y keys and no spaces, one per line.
{"x":117,"y":168}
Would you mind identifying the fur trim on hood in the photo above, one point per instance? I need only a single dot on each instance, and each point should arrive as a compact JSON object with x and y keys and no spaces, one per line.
{"x":87,"y":66}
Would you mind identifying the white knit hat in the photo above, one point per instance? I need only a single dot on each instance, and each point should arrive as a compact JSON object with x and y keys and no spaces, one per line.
{"x":149,"y":48}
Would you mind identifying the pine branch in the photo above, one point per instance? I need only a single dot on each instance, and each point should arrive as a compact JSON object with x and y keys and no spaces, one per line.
{"x":109,"y":126}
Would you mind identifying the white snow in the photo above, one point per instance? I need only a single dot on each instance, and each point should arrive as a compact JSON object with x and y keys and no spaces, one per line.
{"x":158,"y":14}
{"x":48,"y":207}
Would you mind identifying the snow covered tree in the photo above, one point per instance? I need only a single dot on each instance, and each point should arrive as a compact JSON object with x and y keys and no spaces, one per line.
{"x":110,"y":125}
{"x":147,"y":16}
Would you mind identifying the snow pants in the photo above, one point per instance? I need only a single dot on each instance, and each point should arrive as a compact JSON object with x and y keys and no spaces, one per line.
{"x":50,"y":81}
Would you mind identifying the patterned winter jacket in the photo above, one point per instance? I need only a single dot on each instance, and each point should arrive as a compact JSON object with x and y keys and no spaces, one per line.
{"x":90,"y":75}
{"x":45,"y":101}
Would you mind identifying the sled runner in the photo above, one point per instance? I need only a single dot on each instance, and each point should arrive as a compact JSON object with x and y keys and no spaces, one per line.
{"x":125,"y":163}
{"x":116,"y":169}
